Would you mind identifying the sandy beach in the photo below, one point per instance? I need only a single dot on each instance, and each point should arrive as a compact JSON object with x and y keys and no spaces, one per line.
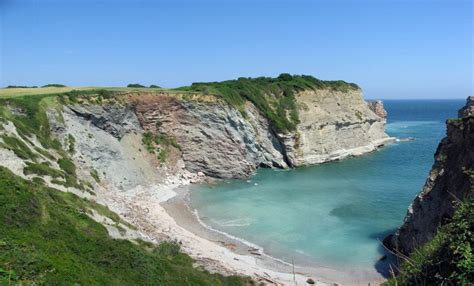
{"x":161,"y":212}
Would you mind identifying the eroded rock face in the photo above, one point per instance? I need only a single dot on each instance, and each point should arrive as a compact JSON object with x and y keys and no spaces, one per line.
{"x":221,"y":141}
{"x":450,"y":179}
{"x":378,"y":108}
{"x":217,"y":139}
{"x":114,"y":119}
{"x":214,"y":137}
{"x":334,"y":125}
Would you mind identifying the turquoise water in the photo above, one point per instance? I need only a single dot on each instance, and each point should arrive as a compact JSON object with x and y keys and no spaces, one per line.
{"x":334,"y":213}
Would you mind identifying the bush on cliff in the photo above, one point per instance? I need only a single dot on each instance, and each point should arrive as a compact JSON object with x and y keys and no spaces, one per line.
{"x":136,"y":85}
{"x":54,"y":85}
{"x":274,"y":97}
{"x":448,"y":258}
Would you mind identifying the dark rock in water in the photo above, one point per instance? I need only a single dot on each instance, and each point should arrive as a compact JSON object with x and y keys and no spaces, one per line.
{"x":387,"y":241}
{"x":383,"y":257}
{"x":310,"y":281}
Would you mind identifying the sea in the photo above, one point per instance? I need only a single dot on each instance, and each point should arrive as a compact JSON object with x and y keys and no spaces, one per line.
{"x":334,"y":214}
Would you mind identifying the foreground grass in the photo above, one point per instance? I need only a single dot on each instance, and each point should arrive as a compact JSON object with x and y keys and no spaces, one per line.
{"x":47,"y":238}
{"x":447,"y":259}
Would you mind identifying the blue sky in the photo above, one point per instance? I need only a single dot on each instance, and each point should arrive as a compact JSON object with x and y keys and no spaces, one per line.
{"x":392,"y":49}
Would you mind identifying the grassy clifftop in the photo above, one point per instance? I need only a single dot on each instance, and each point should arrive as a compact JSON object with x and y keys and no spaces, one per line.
{"x":274,"y":97}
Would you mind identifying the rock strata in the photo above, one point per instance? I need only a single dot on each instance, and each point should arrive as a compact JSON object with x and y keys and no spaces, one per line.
{"x":224,"y":141}
{"x":214,"y":138}
{"x":218,"y":140}
{"x":451,"y":179}
{"x":378,"y":108}
{"x":334,"y":125}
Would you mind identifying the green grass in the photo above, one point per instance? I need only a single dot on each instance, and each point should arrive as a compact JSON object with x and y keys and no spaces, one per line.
{"x":71,"y":143}
{"x":95,"y":175}
{"x":67,"y":166}
{"x":447,"y":259}
{"x":160,"y":143}
{"x":47,"y":238}
{"x":54,"y":85}
{"x":42,"y":169}
{"x":18,"y":147}
{"x":274,"y":97}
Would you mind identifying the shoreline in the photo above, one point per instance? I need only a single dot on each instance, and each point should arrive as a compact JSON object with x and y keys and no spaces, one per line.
{"x":160,"y":212}
{"x":178,"y":208}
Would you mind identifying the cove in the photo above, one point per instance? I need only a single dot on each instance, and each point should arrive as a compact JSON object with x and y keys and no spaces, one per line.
{"x":333,"y":214}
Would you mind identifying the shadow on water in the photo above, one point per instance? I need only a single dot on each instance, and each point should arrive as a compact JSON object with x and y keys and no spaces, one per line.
{"x":383,"y":265}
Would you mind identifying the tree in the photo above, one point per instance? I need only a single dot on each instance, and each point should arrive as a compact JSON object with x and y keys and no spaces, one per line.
{"x":136,"y":85}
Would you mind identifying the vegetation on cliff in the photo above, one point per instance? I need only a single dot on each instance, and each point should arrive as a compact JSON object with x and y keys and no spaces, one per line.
{"x":274,"y":97}
{"x":47,"y":237}
{"x":447,"y":259}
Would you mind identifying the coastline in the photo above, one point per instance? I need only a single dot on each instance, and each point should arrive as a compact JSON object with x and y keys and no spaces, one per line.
{"x":179,"y":210}
{"x":161,"y":212}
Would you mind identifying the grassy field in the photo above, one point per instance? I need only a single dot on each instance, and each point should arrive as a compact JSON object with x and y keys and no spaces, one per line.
{"x":14,"y":92}
{"x":47,"y":238}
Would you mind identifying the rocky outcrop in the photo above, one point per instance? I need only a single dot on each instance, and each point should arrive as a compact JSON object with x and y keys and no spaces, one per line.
{"x":334,"y":125}
{"x":114,"y":119}
{"x":221,"y":141}
{"x":450,"y":179}
{"x":218,"y":140}
{"x":214,"y":138}
{"x":468,"y":109}
{"x":378,"y":108}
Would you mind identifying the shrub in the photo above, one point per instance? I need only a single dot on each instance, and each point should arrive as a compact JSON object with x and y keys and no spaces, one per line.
{"x":21,"y":86}
{"x":135,"y":85}
{"x":54,"y":85}
{"x":18,"y":147}
{"x":266,"y":94}
{"x":448,"y":258}
{"x":154,"y":86}
{"x":285,"y":77}
{"x":42,"y":169}
{"x":67,"y":166}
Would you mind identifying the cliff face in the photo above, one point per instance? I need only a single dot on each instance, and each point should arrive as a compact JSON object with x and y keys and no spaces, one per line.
{"x":451,"y":178}
{"x":334,"y":125}
{"x":216,"y":139}
{"x":220,"y":129}
{"x":378,"y":108}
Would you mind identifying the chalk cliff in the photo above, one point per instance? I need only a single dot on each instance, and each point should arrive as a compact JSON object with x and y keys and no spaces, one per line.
{"x":450,"y":179}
